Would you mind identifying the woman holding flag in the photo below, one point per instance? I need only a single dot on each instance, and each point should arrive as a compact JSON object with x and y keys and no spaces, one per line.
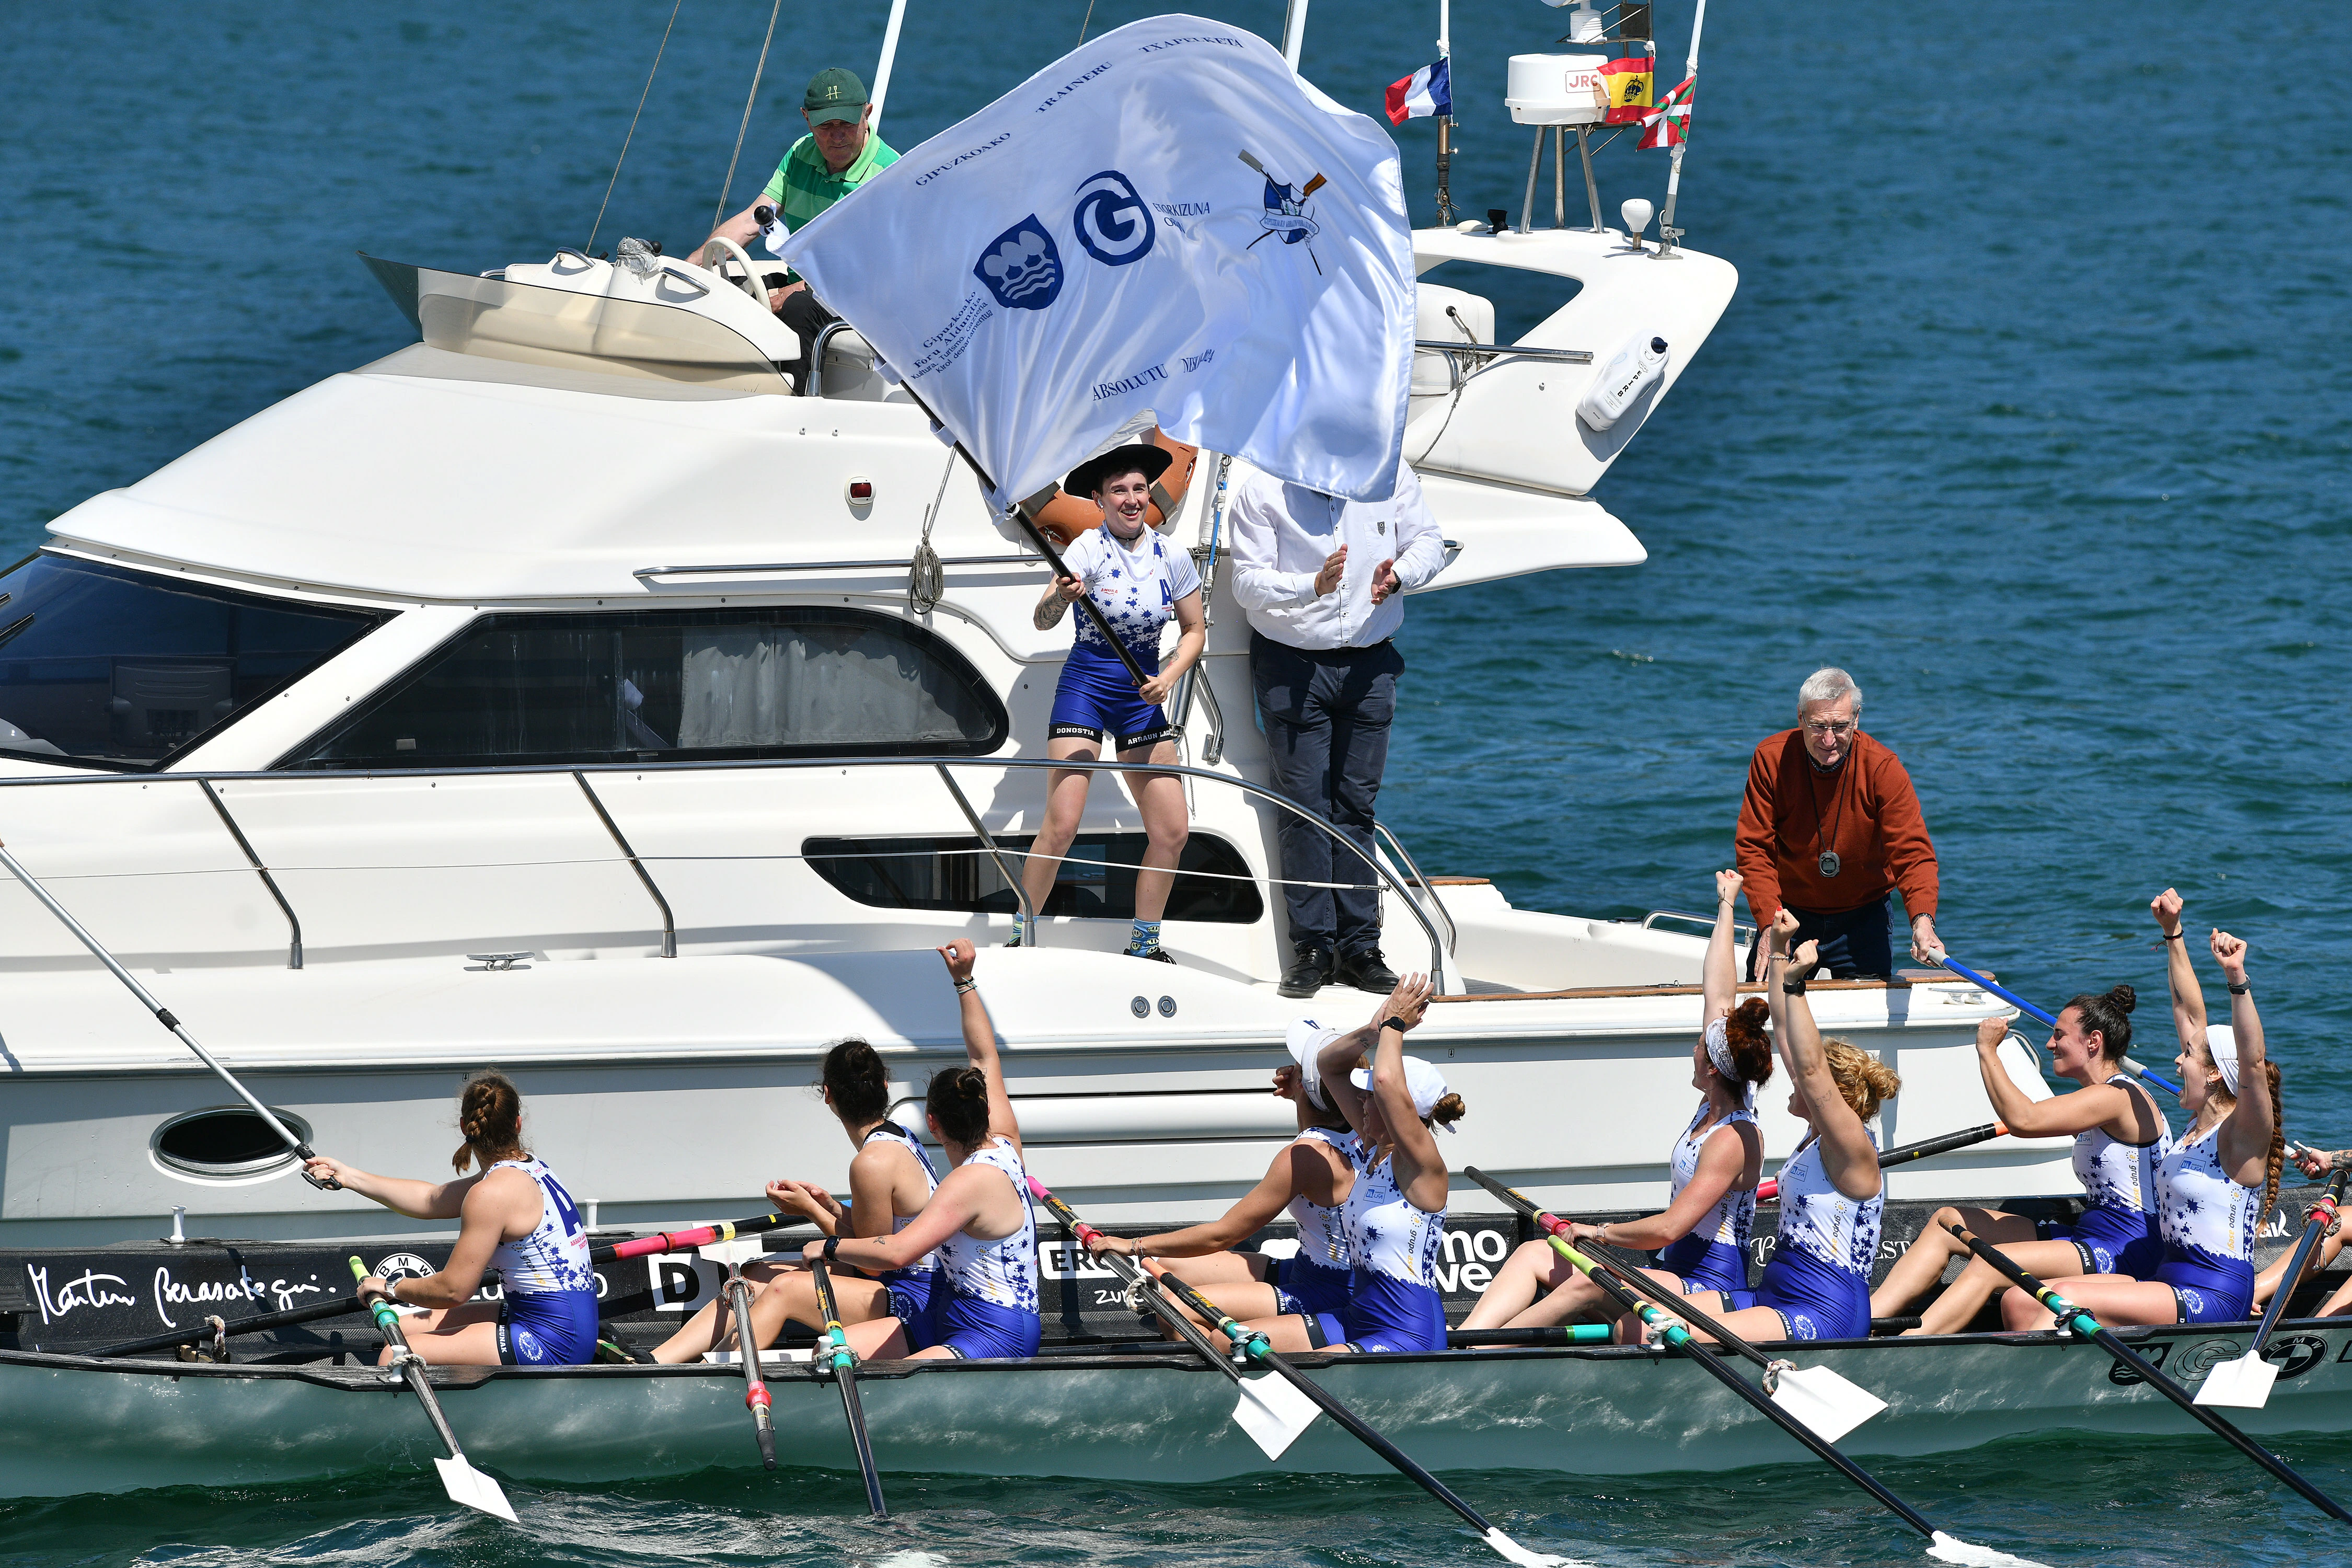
{"x":1716,"y":1162}
{"x":1139,"y":583}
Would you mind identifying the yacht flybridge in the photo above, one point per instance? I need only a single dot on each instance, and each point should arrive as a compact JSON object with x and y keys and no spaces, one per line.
{"x":573,"y":691}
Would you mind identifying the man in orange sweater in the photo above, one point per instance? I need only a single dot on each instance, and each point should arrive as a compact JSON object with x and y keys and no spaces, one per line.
{"x":1829,"y":827}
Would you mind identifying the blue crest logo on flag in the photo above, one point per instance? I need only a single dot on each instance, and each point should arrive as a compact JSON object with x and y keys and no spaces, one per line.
{"x":1020,"y":266}
{"x":1114,"y":223}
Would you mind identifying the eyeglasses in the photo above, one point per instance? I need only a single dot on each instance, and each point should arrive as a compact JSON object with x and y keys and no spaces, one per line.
{"x":1829,"y":726}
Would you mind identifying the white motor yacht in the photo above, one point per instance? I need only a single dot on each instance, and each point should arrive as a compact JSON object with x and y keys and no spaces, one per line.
{"x":560,"y":692}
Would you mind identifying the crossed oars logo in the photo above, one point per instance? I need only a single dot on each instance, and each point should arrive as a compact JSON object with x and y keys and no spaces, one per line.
{"x":1286,"y":213}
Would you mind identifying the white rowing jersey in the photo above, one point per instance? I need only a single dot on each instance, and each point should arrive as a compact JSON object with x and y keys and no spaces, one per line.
{"x":1734,"y":1214}
{"x":2204,"y":1209}
{"x":1003,"y":1271}
{"x":1135,"y":589}
{"x":1822,"y":1222}
{"x":1323,"y":1231}
{"x":892,"y":1132}
{"x":2119,"y":1175}
{"x":554,"y":1255}
{"x":1387,"y":1234}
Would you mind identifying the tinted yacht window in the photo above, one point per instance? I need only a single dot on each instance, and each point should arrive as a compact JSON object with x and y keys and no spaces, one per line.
{"x":650,"y":685}
{"x":103,"y":665}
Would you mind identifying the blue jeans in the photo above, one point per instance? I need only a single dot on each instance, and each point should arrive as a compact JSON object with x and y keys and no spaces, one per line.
{"x":1852,"y":942}
{"x":1326,"y":713}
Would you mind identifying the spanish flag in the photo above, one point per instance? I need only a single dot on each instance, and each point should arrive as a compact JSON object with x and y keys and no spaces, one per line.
{"x":1629,"y":82}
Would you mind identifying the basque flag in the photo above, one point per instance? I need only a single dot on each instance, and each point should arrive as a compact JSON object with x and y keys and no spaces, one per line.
{"x":1669,"y":123}
{"x":1427,"y":91}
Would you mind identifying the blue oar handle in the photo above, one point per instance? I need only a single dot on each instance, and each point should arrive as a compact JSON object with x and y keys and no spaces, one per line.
{"x":2014,"y":1000}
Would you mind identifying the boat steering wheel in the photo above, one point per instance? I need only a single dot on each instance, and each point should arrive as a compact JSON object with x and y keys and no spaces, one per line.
{"x":751,"y":279}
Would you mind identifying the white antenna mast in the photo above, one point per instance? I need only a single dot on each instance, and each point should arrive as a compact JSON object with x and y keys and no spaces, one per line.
{"x":1294,"y":31}
{"x":1668,"y":232}
{"x":889,"y":56}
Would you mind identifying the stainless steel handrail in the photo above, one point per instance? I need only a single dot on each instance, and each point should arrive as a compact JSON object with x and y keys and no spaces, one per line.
{"x":669,"y":926}
{"x":1505,"y":351}
{"x":814,"y":370}
{"x":1704,"y":923}
{"x":897,"y":563}
{"x":1437,"y":950}
{"x":294,"y":926}
{"x":1453,"y":931}
{"x":1029,"y":933}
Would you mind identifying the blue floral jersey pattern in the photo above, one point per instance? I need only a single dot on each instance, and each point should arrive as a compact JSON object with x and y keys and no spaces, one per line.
{"x":2203,"y":1209}
{"x":554,"y":1255}
{"x":1003,"y":1273}
{"x":1734,"y":1214}
{"x":1323,"y":1231}
{"x":892,"y":1132}
{"x":2120,"y":1176}
{"x":1135,"y":590}
{"x":1822,"y":1222}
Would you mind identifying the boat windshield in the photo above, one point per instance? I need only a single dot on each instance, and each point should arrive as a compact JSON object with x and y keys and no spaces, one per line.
{"x":116,"y":668}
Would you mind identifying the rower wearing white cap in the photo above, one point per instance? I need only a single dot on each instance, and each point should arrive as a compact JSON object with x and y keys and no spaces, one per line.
{"x":1311,"y":1177}
{"x":1394,"y":1212}
{"x":1716,"y":1163}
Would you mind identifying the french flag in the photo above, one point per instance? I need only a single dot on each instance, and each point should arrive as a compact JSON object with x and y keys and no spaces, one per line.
{"x":1427,"y":91}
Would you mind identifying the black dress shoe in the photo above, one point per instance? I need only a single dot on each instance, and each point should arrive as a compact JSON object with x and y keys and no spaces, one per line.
{"x":1366,"y":972}
{"x":1309,"y":972}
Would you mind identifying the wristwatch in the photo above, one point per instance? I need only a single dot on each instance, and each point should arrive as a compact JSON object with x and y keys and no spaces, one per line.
{"x":2239,"y":988}
{"x":1792,"y":987}
{"x":833,"y":1249}
{"x":1394,"y":1022}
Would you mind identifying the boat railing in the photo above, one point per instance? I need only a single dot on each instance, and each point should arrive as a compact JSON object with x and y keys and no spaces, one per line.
{"x":1410,"y":890}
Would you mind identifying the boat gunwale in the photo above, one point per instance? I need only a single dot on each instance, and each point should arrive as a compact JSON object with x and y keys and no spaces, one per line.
{"x":366,"y":1379}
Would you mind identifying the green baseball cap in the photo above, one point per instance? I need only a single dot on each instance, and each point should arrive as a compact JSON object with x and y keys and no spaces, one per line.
{"x":833,"y":93}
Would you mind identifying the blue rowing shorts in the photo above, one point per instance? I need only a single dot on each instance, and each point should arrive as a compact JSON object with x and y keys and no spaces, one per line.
{"x":1096,"y":697}
{"x":547,"y":1328}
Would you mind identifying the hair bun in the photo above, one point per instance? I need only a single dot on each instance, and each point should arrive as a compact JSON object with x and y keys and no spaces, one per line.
{"x":2124,"y":997}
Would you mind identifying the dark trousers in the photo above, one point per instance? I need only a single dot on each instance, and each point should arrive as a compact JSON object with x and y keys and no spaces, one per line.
{"x":1326,"y":713}
{"x":805,"y":314}
{"x":1854,"y":943}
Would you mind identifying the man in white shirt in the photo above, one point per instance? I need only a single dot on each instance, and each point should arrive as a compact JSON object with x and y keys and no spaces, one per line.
{"x":1321,"y":580}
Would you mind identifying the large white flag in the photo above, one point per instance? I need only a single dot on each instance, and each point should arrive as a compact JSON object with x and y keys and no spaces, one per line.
{"x":1168,"y":219}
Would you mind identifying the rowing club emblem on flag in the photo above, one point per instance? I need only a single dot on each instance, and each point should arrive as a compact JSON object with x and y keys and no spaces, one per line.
{"x":1286,"y":211}
{"x":1668,"y":125}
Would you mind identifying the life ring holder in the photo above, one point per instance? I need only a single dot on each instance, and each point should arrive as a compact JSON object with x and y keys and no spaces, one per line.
{"x":1062,"y":517}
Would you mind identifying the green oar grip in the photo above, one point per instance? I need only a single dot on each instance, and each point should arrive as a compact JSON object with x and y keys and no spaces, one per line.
{"x":385,"y":1318}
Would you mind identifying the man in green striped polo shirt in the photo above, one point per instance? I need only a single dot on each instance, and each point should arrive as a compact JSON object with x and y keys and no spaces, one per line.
{"x":840,"y":153}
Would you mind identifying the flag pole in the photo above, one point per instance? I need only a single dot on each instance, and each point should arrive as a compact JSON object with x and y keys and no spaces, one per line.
{"x":1445,"y":121}
{"x":1668,"y":232}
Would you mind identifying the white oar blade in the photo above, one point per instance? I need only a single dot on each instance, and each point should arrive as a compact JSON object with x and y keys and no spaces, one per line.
{"x":1952,"y":1549}
{"x":1512,"y":1550}
{"x":467,"y":1485}
{"x":2244,"y":1385}
{"x":1274,"y":1413}
{"x":1825,"y":1402}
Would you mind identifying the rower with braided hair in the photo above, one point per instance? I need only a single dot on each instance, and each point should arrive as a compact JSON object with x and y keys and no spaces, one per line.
{"x":2219,"y":1180}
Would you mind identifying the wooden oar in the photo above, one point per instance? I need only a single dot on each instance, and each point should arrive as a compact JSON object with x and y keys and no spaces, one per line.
{"x":2245,"y":1383}
{"x":463,"y":1483}
{"x":1984,"y":983}
{"x":1268,"y":1411}
{"x":2073,"y":1319}
{"x":845,"y":1373}
{"x":1254,"y":1347}
{"x":1828,"y":1403}
{"x":1904,"y":1153}
{"x":301,"y":1149}
{"x":1941,"y":1546}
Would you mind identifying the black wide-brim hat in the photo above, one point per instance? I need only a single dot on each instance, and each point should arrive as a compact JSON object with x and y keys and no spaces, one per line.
{"x":1088,"y":476}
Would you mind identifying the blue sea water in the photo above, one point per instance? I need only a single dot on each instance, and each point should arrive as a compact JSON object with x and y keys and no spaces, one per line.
{"x":2030,"y":411}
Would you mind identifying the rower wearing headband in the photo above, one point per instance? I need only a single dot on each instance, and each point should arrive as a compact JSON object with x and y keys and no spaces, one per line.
{"x":1832,"y":1195}
{"x":2214,"y":1184}
{"x":514,"y":1218}
{"x":1716,"y":1163}
{"x":1140,"y":583}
